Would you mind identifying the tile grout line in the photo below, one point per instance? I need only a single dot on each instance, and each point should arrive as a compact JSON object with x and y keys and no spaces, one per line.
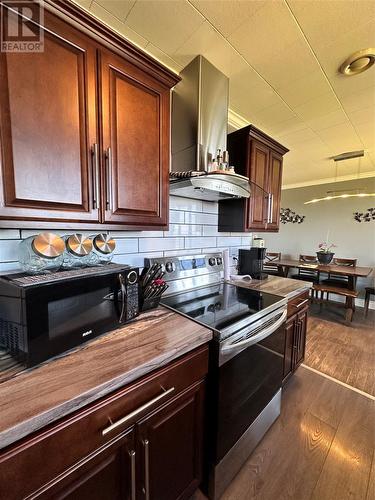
{"x":339,"y":382}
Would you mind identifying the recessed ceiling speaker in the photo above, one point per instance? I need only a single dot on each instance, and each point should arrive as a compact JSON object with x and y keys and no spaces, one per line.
{"x":358,"y":62}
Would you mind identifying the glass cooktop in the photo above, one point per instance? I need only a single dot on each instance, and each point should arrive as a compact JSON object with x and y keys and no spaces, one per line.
{"x":221,"y":306}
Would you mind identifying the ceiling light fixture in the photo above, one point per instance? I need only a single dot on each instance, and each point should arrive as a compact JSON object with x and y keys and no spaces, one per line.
{"x":358,"y":62}
{"x":351,"y":193}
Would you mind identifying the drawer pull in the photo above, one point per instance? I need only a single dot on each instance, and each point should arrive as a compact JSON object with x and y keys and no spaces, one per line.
{"x":300,"y":304}
{"x":134,"y":413}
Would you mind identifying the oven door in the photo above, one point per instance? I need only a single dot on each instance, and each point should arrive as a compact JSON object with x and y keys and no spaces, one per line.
{"x":249,"y":376}
{"x":62,"y":315}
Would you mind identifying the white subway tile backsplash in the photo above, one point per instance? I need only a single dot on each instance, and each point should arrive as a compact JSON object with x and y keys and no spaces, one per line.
{"x":137,"y":259}
{"x":183,"y":230}
{"x":126,"y":245}
{"x":229,"y":241}
{"x":193,"y":229}
{"x":177,"y":203}
{"x":197,"y":218}
{"x":246,"y":240}
{"x":177,"y":253}
{"x":210,"y":207}
{"x":176,"y":217}
{"x":200,"y":242}
{"x":212,"y":231}
{"x":9,"y":234}
{"x":9,"y":250}
{"x":154,"y":244}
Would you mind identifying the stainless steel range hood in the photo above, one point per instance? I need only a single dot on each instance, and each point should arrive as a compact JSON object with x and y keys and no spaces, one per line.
{"x":199,"y":129}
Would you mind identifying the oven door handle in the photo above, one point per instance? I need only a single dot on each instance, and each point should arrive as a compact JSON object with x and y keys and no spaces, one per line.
{"x":230,"y":346}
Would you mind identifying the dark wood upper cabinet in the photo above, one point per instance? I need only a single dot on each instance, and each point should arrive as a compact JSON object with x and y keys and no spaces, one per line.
{"x":48,"y":124}
{"x":84,"y":130}
{"x":135,"y":118}
{"x":259,"y":157}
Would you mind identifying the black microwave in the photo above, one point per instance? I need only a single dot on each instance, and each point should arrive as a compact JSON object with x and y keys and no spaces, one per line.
{"x":43,"y":316}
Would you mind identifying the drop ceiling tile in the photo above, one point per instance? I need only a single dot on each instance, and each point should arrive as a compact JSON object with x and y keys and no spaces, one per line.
{"x":291,"y":125}
{"x":166,"y":24}
{"x":318,"y":106}
{"x":363,"y":116}
{"x":226,"y":15}
{"x":328,"y":120}
{"x":163,"y":58}
{"x":359,"y":100}
{"x":83,"y":3}
{"x":119,"y":8}
{"x":208,"y":42}
{"x":117,"y":25}
{"x":270,"y":29}
{"x":323,"y":22}
{"x":275,"y":114}
{"x":298,"y":137}
{"x":303,"y":89}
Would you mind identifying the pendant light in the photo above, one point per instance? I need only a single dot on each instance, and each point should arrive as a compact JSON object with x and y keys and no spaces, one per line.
{"x":351,"y":193}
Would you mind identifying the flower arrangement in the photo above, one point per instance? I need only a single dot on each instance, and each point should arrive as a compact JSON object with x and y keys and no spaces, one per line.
{"x":326,"y":247}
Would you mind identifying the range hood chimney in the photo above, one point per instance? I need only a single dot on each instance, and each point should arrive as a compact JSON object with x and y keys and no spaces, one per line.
{"x":199,"y":129}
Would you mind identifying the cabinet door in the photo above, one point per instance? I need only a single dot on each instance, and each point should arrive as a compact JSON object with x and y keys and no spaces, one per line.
{"x":106,"y":474}
{"x":288,"y":353}
{"x":135,"y":121}
{"x":48,"y":125}
{"x":170,"y":441}
{"x":257,"y":206}
{"x":274,"y":187}
{"x":300,"y":342}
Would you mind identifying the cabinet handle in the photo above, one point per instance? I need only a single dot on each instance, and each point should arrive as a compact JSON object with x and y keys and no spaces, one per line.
{"x":132,"y":474}
{"x":268,"y":208}
{"x":108,"y":157}
{"x":300,"y":304}
{"x":271,"y":208}
{"x":95,"y":175}
{"x":134,"y":413}
{"x":147,"y":469}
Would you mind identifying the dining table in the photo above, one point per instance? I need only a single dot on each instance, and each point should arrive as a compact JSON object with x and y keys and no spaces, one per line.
{"x":352,"y":272}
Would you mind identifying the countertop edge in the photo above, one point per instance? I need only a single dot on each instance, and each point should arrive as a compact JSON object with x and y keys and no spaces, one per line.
{"x":27,"y":427}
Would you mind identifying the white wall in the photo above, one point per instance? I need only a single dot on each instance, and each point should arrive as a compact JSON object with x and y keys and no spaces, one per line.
{"x":192,"y":230}
{"x":353,"y":239}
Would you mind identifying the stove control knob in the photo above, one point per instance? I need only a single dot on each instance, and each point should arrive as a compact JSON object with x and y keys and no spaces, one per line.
{"x":169,"y":267}
{"x":219,"y":261}
{"x":212,"y":261}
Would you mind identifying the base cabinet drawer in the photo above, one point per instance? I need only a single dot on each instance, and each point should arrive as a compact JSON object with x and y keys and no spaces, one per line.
{"x":99,"y":441}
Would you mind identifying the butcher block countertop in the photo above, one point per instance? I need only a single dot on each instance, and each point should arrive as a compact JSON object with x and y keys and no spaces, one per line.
{"x":36,"y":397}
{"x":277,"y":285}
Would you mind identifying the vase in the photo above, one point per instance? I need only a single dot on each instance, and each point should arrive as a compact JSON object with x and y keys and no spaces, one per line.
{"x":325,"y":257}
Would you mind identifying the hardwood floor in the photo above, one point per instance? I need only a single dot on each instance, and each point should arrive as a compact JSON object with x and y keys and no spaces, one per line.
{"x":344,"y":352}
{"x":321,"y":447}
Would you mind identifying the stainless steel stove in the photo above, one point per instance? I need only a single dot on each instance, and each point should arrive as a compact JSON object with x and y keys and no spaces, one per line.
{"x":247,"y":357}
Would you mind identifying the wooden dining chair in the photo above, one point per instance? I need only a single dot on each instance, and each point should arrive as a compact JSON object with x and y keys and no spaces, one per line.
{"x":338,"y":280}
{"x":269,"y":265}
{"x":307,"y":274}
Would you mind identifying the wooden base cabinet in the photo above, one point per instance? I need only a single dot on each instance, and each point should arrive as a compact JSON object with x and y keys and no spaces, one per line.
{"x":143,"y":442}
{"x":295,"y":334}
{"x":260,"y":158}
{"x":84,"y":129}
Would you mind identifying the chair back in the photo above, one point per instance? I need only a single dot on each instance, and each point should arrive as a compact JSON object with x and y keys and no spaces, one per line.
{"x":311,"y":259}
{"x":342,"y":262}
{"x":269,"y":258}
{"x":345,"y":262}
{"x":308,"y":273}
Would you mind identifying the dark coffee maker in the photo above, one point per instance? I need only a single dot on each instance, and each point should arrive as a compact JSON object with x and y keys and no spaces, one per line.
{"x":251,"y":262}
